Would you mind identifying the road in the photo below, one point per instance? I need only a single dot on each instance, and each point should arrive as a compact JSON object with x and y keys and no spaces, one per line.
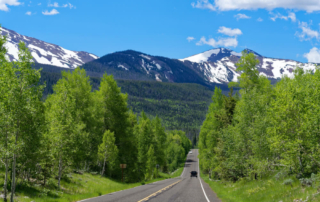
{"x":181,"y":189}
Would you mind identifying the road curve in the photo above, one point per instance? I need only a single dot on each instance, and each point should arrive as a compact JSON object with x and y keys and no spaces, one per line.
{"x":180,"y":189}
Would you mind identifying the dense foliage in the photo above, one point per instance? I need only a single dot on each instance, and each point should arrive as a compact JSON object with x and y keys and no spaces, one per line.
{"x":180,"y":106}
{"x":76,"y":128}
{"x":264,"y":129}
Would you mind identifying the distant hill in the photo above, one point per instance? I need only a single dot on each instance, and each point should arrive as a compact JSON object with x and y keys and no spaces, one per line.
{"x":180,"y":105}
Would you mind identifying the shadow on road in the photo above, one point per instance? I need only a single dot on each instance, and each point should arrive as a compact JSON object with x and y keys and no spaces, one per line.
{"x":190,"y":160}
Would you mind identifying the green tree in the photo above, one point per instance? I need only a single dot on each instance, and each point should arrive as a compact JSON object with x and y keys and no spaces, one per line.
{"x":108,"y":151}
{"x":24,"y":101}
{"x":150,"y":164}
{"x":6,"y":71}
{"x":160,"y":141}
{"x":63,"y":127}
{"x":115,"y":117}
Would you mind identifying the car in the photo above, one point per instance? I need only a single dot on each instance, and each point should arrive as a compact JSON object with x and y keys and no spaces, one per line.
{"x":193,"y":174}
{"x":190,"y":152}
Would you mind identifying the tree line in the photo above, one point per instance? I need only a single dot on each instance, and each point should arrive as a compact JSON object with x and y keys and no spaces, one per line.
{"x":264,"y":128}
{"x":76,"y":128}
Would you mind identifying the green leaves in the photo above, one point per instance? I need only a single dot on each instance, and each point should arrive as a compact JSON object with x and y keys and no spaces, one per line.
{"x":268,"y":127}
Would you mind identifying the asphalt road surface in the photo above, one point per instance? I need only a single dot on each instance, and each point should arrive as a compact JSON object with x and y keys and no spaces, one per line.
{"x":181,"y":189}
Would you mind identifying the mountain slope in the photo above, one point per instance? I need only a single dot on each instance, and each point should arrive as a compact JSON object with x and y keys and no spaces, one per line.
{"x":216,"y":66}
{"x":45,"y":53}
{"x":135,"y":65}
{"x":219,"y":65}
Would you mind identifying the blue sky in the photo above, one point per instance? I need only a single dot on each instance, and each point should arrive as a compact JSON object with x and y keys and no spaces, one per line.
{"x":287,"y":29}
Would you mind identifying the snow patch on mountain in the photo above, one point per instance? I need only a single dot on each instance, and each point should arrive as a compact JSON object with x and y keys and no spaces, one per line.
{"x":202,"y":57}
{"x":146,"y":57}
{"x":123,"y":67}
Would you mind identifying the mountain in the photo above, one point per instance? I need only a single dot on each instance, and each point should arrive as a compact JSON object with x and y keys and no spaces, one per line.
{"x":216,"y":66}
{"x":45,"y":53}
{"x":219,"y":65}
{"x":210,"y":68}
{"x":133,"y":65}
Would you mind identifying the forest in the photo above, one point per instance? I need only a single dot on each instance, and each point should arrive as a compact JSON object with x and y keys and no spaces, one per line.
{"x":180,"y":106}
{"x":264,"y":129}
{"x":75,"y":129}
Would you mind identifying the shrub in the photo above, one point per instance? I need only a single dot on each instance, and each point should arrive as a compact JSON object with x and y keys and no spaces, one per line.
{"x":306,"y":182}
{"x":288,"y":182}
{"x":280,"y":175}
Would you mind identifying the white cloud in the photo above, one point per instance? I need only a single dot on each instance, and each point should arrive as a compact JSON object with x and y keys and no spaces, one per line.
{"x":227,"y":5}
{"x":241,"y":16}
{"x":5,"y":3}
{"x":229,"y":31}
{"x":28,"y":13}
{"x":190,"y":38}
{"x":259,"y":19}
{"x":226,"y":42}
{"x":307,"y":33}
{"x":55,"y":4}
{"x":291,"y":16}
{"x":313,"y":56}
{"x":52,"y":12}
{"x":71,"y":6}
{"x":39,"y":4}
{"x":203,"y":4}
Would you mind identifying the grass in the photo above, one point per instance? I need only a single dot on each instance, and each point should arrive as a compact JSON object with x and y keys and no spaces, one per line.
{"x":267,"y":189}
{"x":78,"y":187}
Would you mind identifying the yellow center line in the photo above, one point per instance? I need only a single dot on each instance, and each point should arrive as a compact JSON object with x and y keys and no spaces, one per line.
{"x":158,"y":192}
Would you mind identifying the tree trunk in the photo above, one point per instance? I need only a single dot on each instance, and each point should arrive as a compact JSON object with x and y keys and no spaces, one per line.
{"x":5,"y":182}
{"x":104,"y":165}
{"x":5,"y":186}
{"x":60,"y":171}
{"x":13,"y":183}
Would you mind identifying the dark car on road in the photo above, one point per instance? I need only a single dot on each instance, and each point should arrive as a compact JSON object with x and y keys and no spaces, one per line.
{"x":193,"y":174}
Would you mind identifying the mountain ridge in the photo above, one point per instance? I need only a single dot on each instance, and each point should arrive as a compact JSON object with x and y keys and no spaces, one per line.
{"x":209,"y":68}
{"x":44,"y":52}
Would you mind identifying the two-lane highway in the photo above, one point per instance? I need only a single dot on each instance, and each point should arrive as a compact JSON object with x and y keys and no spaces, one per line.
{"x":181,"y":189}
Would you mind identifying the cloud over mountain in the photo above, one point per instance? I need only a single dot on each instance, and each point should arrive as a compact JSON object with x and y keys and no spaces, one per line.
{"x":227,"y":5}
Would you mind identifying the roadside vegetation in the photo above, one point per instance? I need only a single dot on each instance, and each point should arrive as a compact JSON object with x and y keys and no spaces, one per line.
{"x":75,"y":187}
{"x":267,"y":189}
{"x":264,"y":130}
{"x":46,"y":143}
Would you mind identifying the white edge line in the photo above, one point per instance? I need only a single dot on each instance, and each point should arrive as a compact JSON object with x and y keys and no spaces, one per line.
{"x":201,"y":182}
{"x":184,"y":168}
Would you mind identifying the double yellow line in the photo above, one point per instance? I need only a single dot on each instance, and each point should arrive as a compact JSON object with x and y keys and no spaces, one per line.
{"x":159,"y":192}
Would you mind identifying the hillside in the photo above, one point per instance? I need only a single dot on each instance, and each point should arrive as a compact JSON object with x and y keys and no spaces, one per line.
{"x":133,"y":65}
{"x":179,"y":105}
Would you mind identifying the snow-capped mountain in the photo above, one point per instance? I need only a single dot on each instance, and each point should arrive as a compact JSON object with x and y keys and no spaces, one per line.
{"x":218,"y":65}
{"x":135,"y":65}
{"x":45,"y":53}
